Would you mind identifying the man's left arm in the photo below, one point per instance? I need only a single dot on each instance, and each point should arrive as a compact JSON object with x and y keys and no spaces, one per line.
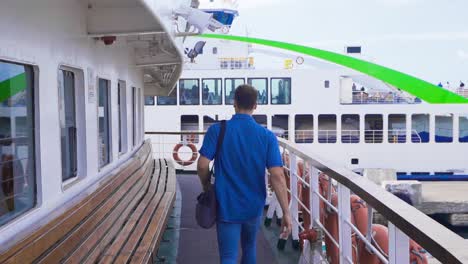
{"x":203,"y":170}
{"x":207,"y":153}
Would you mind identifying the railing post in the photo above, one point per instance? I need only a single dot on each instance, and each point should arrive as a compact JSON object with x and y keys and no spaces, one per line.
{"x":344,"y":216}
{"x":314,"y":203}
{"x":294,"y":193}
{"x":398,"y":247}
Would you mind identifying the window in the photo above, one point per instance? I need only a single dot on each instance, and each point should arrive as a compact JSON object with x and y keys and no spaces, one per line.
{"x":261,"y":85}
{"x":443,"y":128}
{"x":397,"y":128}
{"x":208,"y":121}
{"x":212,"y":92}
{"x":420,"y":128}
{"x":171,"y":99}
{"x":139,"y":106}
{"x":189,"y":92}
{"x":189,"y":123}
{"x":353,"y":50}
{"x":230,"y":85}
{"x":327,"y":129}
{"x":215,"y":50}
{"x":122,"y":112}
{"x":304,"y":128}
{"x":68,"y":128}
{"x":280,"y":90}
{"x":350,"y":129}
{"x":149,"y":100}
{"x":134,"y":116}
{"x":327,"y":84}
{"x":261,"y":120}
{"x":17,"y":141}
{"x":104,"y":123}
{"x":373,"y":132}
{"x":280,"y":126}
{"x":463,"y":129}
{"x":355,"y":161}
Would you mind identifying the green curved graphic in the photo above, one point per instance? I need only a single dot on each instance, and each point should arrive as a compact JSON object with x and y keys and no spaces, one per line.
{"x":422,"y":89}
{"x":12,"y":86}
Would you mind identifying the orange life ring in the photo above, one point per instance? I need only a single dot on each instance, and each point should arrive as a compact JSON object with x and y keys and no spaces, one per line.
{"x":175,"y":154}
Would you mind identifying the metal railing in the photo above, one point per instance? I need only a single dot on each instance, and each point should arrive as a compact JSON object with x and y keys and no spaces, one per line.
{"x":350,"y":136}
{"x":180,"y":147}
{"x":380,"y":97}
{"x":304,"y":136}
{"x":405,"y":221}
{"x":463,"y":92}
{"x":327,"y":136}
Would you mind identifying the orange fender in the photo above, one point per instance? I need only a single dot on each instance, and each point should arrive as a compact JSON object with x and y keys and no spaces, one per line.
{"x":417,"y":253}
{"x":380,"y":235}
{"x":331,"y":225}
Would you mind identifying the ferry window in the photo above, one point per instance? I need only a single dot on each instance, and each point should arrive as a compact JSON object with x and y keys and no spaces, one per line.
{"x":17,"y":159}
{"x":215,"y":50}
{"x":280,"y":126}
{"x":104,"y":123}
{"x":134,"y":116}
{"x":463,"y":128}
{"x":149,"y":100}
{"x":397,"y":128}
{"x":122,"y":112}
{"x":68,"y":127}
{"x":189,"y":91}
{"x":230,"y":85}
{"x":189,"y":123}
{"x":280,"y":90}
{"x":304,"y":128}
{"x":261,"y":85}
{"x":140,"y":108}
{"x":327,"y":128}
{"x":443,"y":128}
{"x":373,"y":132}
{"x":208,"y":121}
{"x":212,"y":92}
{"x":420,"y":128}
{"x":327,"y":84}
{"x":350,"y":129}
{"x":170,"y":99}
{"x":261,"y":120}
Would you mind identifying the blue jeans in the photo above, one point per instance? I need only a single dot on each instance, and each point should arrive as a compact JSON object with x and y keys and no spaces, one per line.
{"x":229,"y":235}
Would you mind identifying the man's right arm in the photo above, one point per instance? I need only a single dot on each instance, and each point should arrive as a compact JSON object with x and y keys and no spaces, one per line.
{"x":278,"y":182}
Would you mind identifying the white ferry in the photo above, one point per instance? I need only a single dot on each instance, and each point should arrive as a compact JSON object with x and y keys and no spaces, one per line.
{"x":342,"y":115}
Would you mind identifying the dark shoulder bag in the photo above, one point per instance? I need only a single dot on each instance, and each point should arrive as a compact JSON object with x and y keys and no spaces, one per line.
{"x":206,"y":202}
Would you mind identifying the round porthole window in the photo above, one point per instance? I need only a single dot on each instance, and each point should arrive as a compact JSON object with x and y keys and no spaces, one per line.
{"x":299,"y":60}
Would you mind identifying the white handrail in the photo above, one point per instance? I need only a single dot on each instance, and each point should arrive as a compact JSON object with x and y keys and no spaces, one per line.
{"x":405,"y":222}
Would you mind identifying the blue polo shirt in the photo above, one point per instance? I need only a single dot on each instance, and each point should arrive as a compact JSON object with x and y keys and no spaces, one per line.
{"x":248,"y":149}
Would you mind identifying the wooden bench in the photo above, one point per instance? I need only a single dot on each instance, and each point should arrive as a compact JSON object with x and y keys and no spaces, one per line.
{"x":122,"y":221}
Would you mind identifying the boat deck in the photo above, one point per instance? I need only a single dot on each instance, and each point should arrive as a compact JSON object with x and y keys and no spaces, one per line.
{"x":196,"y":244}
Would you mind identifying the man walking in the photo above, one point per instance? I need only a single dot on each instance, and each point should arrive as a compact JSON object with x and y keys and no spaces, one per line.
{"x":247,"y":150}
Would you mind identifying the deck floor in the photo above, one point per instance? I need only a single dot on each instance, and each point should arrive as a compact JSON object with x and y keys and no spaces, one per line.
{"x":197,"y":245}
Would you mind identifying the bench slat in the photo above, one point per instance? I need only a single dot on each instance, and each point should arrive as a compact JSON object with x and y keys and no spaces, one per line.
{"x":133,"y":241}
{"x":112,"y":234}
{"x":148,"y":246}
{"x":47,"y":238}
{"x":114,"y":250}
{"x":115,"y":203}
{"x":93,"y":246}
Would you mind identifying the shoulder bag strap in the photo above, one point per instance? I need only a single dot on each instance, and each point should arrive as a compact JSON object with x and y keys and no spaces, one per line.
{"x":219,"y":144}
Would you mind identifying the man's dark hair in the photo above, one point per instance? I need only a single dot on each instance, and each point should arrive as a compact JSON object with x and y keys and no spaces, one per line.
{"x":245,"y":97}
